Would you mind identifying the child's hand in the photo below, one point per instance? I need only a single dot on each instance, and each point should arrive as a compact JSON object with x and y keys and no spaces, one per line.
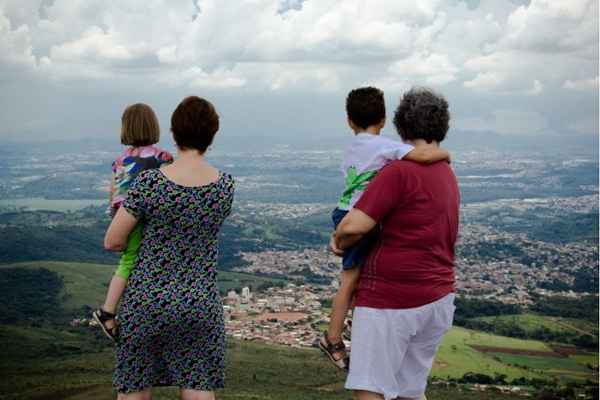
{"x":333,"y":246}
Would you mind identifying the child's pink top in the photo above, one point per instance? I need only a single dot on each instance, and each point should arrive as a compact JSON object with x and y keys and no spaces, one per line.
{"x":129,"y":164}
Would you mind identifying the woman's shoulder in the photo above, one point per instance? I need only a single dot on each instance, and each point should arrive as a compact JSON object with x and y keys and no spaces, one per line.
{"x":226,"y":179}
{"x":148,"y":175}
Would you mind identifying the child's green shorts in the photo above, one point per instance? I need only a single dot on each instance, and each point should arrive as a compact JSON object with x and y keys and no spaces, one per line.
{"x":129,"y":256}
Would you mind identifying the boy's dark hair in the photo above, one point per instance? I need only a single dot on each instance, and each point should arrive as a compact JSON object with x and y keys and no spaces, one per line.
{"x":194,"y":124}
{"x":422,"y":114}
{"x":365,"y":106}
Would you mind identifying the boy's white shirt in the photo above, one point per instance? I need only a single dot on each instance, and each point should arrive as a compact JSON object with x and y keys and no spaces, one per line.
{"x":363,"y":158}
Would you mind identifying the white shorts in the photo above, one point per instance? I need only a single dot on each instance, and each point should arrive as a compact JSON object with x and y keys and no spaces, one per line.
{"x":393,"y":349}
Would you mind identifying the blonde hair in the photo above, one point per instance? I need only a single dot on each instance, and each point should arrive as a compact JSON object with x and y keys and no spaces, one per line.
{"x":139,"y":126}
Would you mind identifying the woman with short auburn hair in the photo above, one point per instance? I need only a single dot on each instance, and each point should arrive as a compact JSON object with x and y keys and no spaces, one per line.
{"x":171,"y":327}
{"x":405,"y":296}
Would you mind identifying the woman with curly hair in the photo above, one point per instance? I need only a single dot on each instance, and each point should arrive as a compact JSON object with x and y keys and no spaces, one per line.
{"x":405,"y":295}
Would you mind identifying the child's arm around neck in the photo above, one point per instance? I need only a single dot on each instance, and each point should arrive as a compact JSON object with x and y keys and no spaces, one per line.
{"x":426,"y":153}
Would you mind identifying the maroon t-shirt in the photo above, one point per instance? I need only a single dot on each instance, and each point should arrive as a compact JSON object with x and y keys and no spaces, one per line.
{"x":412,"y":264}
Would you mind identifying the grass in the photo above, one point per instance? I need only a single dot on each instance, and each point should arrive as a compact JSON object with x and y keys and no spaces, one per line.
{"x":587,"y":359}
{"x":86,"y":284}
{"x":59,"y":362}
{"x":542,"y":363}
{"x":35,"y":371}
{"x":532,"y":322}
{"x":456,"y":357}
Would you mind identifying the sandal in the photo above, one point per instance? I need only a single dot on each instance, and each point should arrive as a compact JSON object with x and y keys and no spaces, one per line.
{"x":331,"y":349}
{"x":101,"y":317}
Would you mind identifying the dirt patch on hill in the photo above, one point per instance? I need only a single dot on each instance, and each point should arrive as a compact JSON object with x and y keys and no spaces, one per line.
{"x":522,"y":352}
{"x":439,"y":364}
{"x":282,"y":316}
{"x":567,"y":350}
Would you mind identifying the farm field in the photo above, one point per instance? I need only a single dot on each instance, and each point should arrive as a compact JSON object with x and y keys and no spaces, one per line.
{"x":464,"y":351}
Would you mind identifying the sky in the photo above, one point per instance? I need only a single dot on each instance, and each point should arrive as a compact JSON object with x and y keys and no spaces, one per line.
{"x":282,"y":68}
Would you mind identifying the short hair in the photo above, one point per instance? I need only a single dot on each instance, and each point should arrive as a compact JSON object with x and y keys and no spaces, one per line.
{"x":194,"y":124}
{"x":139,"y":126}
{"x":365,"y":106}
{"x":422,"y":114}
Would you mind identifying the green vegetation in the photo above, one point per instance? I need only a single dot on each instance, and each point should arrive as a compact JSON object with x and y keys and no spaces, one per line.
{"x":561,"y":365}
{"x":41,"y":366}
{"x":531,"y":326}
{"x":83,"y":285}
{"x":582,"y":308}
{"x":509,"y":320}
{"x":48,"y":359}
{"x":514,"y":359}
{"x":29,"y":294}
{"x":456,"y":357}
{"x":471,"y":308}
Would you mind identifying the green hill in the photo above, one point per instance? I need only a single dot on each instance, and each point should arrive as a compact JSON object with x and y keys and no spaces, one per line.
{"x":86,"y":284}
{"x":44,"y":363}
{"x":48,"y":359}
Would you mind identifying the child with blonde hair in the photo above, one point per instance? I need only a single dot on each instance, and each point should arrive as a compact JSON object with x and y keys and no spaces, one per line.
{"x":140,"y":132}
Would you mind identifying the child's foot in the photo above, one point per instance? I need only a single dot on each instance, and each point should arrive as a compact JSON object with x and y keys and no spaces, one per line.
{"x":335,"y":351}
{"x":107,"y":323}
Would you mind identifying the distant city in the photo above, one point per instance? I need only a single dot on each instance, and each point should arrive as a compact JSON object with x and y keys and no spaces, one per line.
{"x":528,"y":225}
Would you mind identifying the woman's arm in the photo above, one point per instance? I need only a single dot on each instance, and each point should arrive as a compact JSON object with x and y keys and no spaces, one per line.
{"x":119,"y":230}
{"x":354,"y":226}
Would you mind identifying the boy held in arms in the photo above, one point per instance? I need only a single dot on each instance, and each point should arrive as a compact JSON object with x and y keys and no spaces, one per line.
{"x":367,"y":153}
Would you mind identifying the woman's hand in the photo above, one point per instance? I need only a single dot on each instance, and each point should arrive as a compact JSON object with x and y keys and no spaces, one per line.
{"x":333,"y":246}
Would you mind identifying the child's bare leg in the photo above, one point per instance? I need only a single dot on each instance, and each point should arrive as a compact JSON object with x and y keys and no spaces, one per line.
{"x":342,"y":302}
{"x":115,"y":291}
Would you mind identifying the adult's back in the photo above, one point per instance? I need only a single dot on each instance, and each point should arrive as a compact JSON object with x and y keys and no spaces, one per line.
{"x":413,"y":261}
{"x":405,"y":300}
{"x":171,"y":320}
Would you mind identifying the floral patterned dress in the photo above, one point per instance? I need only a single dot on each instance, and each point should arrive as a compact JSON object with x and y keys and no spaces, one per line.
{"x":171,"y":319}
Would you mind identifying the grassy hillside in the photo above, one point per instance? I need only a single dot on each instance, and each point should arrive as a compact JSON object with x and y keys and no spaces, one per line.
{"x":456,"y":356}
{"x":85,"y":284}
{"x":35,"y":369}
{"x":463,"y":351}
{"x":47,"y":359}
{"x":533,"y":322}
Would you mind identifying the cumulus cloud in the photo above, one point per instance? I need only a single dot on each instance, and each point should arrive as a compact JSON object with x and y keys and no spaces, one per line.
{"x":487,"y":48}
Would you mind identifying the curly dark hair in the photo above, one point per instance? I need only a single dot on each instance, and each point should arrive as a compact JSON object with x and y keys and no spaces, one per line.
{"x":194,"y":124}
{"x":365,"y":106}
{"x":422,"y":114}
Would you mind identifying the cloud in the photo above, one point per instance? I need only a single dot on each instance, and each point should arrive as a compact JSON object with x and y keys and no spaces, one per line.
{"x":432,"y":69}
{"x":487,"y":52}
{"x":507,"y":122}
{"x":581,"y":84}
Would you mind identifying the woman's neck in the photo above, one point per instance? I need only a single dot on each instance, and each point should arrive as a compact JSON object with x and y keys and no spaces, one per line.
{"x":186,"y":155}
